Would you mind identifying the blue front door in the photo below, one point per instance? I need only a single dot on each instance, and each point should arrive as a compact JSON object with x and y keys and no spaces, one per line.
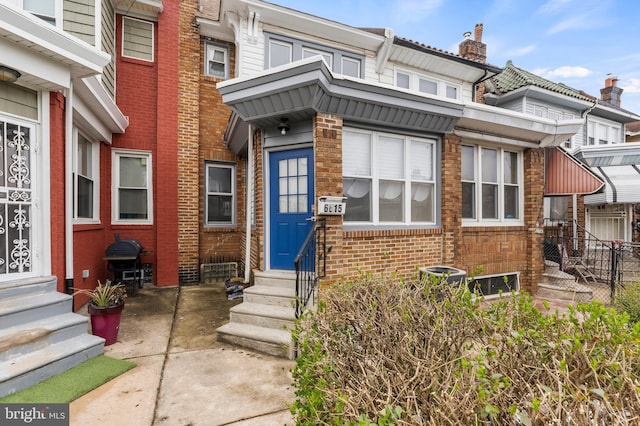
{"x":291,"y":199}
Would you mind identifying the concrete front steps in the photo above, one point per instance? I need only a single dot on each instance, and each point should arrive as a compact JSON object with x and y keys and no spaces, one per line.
{"x":264,"y":320}
{"x":557,"y":284}
{"x":40,"y":336}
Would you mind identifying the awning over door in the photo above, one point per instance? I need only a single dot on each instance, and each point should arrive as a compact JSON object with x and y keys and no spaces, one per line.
{"x":622,"y":185}
{"x":564,"y":175}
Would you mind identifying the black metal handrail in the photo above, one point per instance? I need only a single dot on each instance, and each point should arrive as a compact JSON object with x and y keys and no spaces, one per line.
{"x":310,"y":264}
{"x":602,"y":259}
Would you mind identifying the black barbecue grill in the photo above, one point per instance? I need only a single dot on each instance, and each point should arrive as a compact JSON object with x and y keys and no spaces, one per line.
{"x":123,"y":261}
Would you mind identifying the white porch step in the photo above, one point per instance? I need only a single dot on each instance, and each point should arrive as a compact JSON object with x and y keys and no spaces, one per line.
{"x":268,"y":295}
{"x":275,"y":317}
{"x":27,"y":338}
{"x":26,"y":370}
{"x":40,"y":336}
{"x":24,"y":308}
{"x":262,"y":339}
{"x":265,"y":318}
{"x":27,"y":286}
{"x":275,"y":278}
{"x":574,"y":291}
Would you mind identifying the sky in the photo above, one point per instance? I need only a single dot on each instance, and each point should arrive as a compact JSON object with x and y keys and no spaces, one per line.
{"x":575,"y":42}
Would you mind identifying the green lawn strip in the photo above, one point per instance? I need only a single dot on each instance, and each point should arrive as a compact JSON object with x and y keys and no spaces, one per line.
{"x":73,"y":383}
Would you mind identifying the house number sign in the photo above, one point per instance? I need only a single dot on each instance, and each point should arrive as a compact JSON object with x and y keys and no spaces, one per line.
{"x":334,"y":206}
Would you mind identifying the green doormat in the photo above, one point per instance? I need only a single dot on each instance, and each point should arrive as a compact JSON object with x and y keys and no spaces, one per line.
{"x":73,"y":383}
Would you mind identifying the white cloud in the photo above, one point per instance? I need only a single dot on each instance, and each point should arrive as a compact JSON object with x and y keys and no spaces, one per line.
{"x":416,"y":10}
{"x":631,"y":86}
{"x":574,"y":22}
{"x":553,"y":6}
{"x":519,"y":51}
{"x":564,"y":72}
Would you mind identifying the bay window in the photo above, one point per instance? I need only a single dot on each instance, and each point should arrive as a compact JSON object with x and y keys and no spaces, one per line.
{"x":491,"y":185}
{"x":388,"y":179}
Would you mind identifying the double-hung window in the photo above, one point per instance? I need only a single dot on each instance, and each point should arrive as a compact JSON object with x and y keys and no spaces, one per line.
{"x":132,"y":189}
{"x":281,"y":50}
{"x":426,"y":84}
{"x":388,"y":178}
{"x":220,"y":189}
{"x":86,"y":179}
{"x":491,"y":185}
{"x":216,"y":62}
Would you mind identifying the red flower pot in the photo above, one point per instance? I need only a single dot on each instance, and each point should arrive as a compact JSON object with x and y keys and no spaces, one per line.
{"x":105,"y":322}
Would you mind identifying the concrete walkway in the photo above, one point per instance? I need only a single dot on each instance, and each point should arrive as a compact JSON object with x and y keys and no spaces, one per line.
{"x":184,"y":376}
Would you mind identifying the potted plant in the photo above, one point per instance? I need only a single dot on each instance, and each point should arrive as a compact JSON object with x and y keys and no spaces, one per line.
{"x":106,"y":303}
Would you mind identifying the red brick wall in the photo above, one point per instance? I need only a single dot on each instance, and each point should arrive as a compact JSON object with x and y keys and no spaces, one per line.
{"x":495,"y":249}
{"x":218,"y":242}
{"x":57,"y":144}
{"x":188,"y":145}
{"x":147,"y":93}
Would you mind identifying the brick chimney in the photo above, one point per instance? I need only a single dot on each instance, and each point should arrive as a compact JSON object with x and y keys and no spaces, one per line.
{"x":474,"y":49}
{"x":611,"y":92}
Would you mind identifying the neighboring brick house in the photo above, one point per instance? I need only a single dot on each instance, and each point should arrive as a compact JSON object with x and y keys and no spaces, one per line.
{"x":603,"y":209}
{"x":89,"y":126}
{"x":430,"y":176}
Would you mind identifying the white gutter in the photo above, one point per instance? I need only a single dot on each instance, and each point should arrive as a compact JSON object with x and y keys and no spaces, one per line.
{"x":68,"y":184}
{"x":248,"y":205}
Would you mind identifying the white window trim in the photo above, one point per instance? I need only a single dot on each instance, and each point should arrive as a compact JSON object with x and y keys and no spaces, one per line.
{"x":614,"y":131}
{"x":234,"y":194}
{"x":57,"y":6}
{"x":375,"y":181}
{"x":216,"y":46}
{"x":115,"y":178}
{"x":281,"y":43}
{"x":153,"y":40}
{"x":501,"y":220}
{"x":414,"y":83}
{"x":95,"y":165}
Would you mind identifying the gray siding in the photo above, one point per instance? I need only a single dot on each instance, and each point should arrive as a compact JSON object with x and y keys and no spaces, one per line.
{"x":137,"y":39}
{"x":79,"y":19}
{"x":109,"y":46}
{"x":18,"y":101}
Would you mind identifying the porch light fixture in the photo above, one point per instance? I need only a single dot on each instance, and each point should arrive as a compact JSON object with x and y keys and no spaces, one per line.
{"x":8,"y":75}
{"x":284,"y":126}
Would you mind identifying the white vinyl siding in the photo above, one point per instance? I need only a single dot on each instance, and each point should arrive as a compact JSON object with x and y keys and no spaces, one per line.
{"x":19,"y":101}
{"x":137,"y":39}
{"x":108,"y":44}
{"x":79,"y":19}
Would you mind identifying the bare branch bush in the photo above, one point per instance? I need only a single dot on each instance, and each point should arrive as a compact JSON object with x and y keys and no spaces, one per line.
{"x":390,"y":351}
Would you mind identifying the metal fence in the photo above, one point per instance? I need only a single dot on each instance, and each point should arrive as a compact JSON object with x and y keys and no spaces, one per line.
{"x":577,"y":260}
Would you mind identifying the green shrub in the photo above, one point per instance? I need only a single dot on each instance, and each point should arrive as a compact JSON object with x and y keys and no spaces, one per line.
{"x":627,"y":300}
{"x":394,"y":352}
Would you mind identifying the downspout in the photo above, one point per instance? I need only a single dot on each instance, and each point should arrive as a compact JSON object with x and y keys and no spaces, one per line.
{"x":68,"y":190}
{"x":248,"y":205}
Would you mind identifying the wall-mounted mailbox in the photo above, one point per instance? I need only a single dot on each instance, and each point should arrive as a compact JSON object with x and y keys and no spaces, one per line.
{"x":335,"y":206}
